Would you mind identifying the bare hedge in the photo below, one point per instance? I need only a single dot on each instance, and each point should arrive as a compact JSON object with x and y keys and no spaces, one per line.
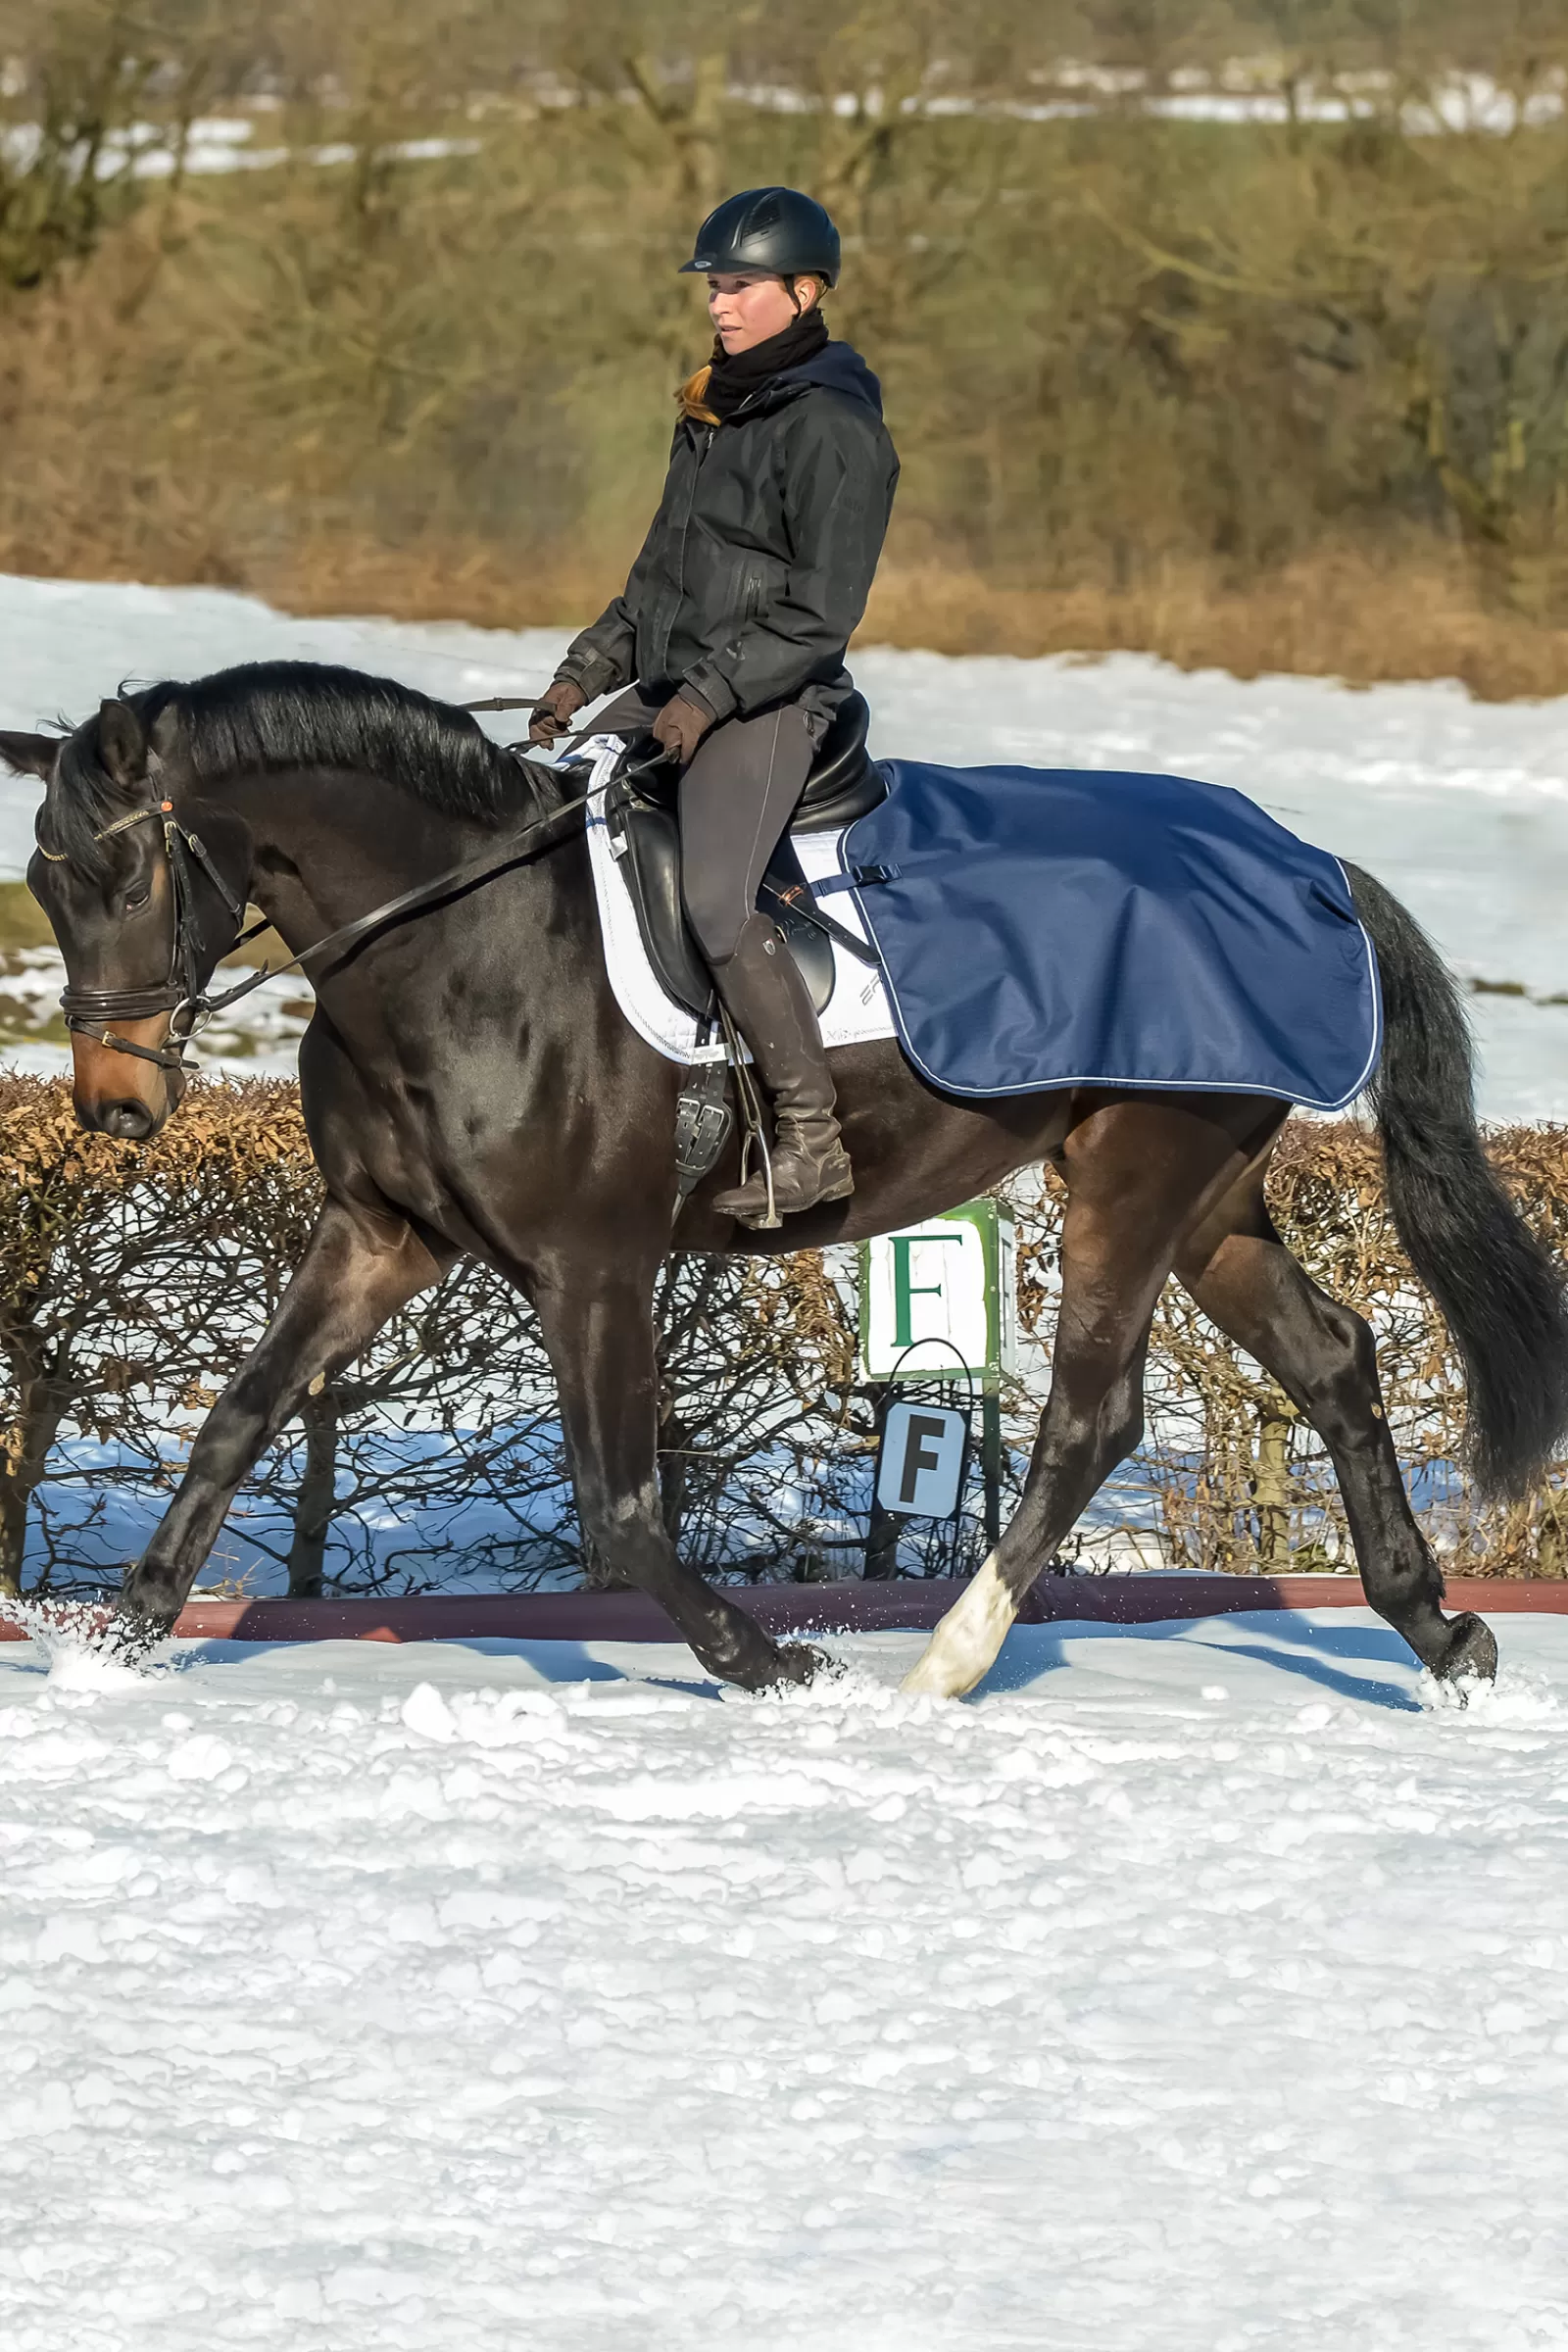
{"x":133,"y":1279}
{"x":1231,"y":1475}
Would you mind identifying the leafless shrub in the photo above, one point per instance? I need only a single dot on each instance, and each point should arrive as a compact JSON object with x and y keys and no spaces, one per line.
{"x":134,"y":1280}
{"x":1289,"y":394}
{"x":1231,"y":1476}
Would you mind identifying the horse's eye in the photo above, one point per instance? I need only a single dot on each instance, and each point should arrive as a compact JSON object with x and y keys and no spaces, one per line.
{"x":134,"y":906}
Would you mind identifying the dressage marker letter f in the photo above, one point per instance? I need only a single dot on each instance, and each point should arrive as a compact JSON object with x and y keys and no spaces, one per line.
{"x":921,"y":1466}
{"x":905,"y":1290}
{"x":917,"y":1453}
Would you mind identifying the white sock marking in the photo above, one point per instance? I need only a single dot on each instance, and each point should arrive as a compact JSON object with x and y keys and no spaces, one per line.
{"x":965,"y":1646}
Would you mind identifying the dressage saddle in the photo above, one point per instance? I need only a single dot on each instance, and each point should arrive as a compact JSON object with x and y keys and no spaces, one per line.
{"x":645,"y":840}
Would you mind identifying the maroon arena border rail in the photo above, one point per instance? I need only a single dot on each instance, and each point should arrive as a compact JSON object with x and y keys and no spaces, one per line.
{"x":900,"y":1603}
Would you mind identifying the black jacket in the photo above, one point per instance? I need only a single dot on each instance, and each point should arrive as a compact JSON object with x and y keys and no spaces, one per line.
{"x":759,"y":562}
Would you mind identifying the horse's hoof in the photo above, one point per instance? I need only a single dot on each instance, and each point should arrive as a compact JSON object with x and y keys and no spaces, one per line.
{"x":800,"y":1663}
{"x":148,"y":1590}
{"x":1472,"y":1652}
{"x":132,"y":1633}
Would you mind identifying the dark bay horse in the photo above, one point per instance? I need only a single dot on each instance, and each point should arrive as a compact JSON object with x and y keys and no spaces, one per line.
{"x":470,"y":1087}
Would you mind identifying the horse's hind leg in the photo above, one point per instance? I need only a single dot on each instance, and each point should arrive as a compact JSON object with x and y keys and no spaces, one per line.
{"x":1094,"y":1418}
{"x":1138,"y":1175}
{"x":359,"y":1267}
{"x":1321,"y":1352}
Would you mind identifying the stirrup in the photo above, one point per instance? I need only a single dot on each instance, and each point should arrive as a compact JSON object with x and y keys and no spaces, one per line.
{"x":834,"y":1180}
{"x":754,"y":1125}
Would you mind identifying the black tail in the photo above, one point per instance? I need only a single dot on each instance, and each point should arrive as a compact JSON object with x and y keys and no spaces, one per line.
{"x":1500,"y":1292}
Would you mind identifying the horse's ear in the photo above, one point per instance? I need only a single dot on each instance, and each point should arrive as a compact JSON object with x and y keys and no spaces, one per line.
{"x":121,"y":741}
{"x":29,"y":755}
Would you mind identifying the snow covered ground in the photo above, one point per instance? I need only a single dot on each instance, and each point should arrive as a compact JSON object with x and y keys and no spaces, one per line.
{"x":1195,"y":1988}
{"x":1460,"y":806}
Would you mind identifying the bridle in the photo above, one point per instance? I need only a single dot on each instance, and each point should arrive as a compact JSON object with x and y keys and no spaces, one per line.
{"x":88,"y":1011}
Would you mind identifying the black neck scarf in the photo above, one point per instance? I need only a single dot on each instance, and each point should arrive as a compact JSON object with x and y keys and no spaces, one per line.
{"x":732,"y":380}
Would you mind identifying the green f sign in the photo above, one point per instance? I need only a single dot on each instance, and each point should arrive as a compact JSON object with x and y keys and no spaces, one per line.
{"x":905,"y":1289}
{"x":943,"y":1289}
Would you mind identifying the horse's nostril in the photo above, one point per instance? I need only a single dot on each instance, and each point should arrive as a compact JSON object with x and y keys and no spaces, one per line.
{"x":131,"y":1120}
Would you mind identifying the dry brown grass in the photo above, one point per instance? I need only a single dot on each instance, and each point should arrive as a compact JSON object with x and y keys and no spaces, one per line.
{"x":1333,"y":613}
{"x":455,"y":404}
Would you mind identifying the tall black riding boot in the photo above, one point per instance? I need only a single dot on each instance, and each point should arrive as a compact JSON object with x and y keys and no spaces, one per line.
{"x":767,"y":1000}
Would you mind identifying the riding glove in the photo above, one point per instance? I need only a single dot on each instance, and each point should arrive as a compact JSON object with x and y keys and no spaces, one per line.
{"x":680,"y":726}
{"x":550,"y":715}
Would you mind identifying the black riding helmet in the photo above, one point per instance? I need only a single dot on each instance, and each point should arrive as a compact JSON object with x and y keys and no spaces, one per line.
{"x":776,"y":231}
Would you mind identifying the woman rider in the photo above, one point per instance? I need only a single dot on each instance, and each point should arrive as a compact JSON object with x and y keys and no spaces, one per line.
{"x":732,"y":630}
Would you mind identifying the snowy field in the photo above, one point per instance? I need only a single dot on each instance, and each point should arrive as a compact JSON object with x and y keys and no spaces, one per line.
{"x":1195,"y":1988}
{"x":1460,"y":806}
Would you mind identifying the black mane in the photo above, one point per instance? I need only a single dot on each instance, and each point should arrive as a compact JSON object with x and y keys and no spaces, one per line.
{"x":276,"y":716}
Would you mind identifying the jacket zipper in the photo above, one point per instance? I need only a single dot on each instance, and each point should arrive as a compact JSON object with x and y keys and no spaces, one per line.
{"x":672,"y":602}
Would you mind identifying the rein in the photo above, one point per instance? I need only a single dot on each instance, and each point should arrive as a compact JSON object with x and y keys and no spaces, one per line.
{"x":89,"y":1011}
{"x":423,"y":894}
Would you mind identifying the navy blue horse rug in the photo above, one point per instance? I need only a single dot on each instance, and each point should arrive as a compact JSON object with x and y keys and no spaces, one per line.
{"x":1041,"y":928}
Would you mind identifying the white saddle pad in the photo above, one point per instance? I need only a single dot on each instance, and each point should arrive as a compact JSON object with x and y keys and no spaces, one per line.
{"x":855,"y":1015}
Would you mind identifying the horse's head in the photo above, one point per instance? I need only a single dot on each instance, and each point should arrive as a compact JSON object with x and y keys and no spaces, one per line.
{"x":144,"y":884}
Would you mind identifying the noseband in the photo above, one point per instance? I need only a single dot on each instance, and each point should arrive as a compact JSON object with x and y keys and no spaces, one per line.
{"x":89,"y":1011}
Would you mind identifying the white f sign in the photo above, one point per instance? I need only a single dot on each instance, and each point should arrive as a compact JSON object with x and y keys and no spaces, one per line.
{"x":923,"y":1461}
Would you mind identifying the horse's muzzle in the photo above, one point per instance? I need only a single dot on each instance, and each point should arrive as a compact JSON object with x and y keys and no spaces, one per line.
{"x":115,"y":1094}
{"x":130,"y":1123}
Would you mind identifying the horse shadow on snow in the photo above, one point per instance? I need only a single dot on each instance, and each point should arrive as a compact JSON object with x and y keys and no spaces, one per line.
{"x":1307,"y":1651}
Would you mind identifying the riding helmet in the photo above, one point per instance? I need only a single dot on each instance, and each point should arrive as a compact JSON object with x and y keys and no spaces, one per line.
{"x":777,"y":230}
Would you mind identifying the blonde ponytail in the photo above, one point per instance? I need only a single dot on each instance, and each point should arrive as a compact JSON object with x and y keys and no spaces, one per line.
{"x":691,"y":396}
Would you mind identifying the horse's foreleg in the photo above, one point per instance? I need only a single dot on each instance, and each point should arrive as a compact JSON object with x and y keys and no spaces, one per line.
{"x":600,"y":1335}
{"x":1321,"y":1353}
{"x":1094,"y":1418}
{"x":358,"y":1269}
{"x":1138,"y":1176}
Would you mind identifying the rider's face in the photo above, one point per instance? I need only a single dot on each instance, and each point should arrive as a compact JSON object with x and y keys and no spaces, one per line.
{"x":747,"y":309}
